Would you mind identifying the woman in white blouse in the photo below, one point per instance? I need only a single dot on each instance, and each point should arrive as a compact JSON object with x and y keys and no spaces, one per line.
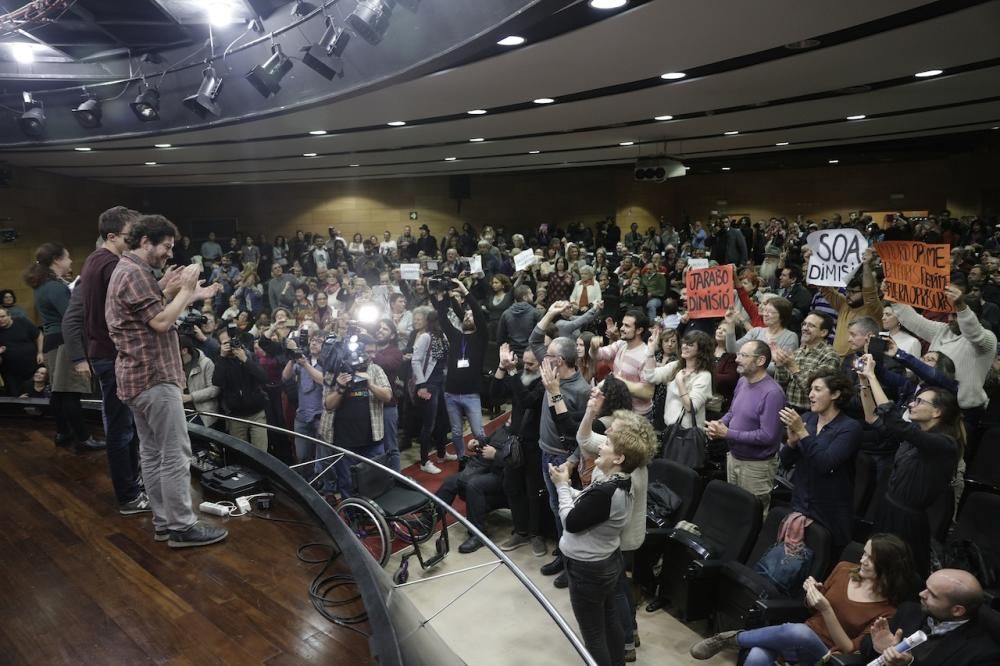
{"x":688,"y":380}
{"x":587,"y":284}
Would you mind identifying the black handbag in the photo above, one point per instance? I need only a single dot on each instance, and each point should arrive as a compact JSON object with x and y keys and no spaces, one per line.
{"x":686,"y":446}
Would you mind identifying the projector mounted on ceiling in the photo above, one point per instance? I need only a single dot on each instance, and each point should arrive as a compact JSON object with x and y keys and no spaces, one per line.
{"x":658,"y":169}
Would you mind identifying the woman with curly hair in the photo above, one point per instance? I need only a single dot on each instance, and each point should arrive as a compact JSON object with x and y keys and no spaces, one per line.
{"x":688,"y":379}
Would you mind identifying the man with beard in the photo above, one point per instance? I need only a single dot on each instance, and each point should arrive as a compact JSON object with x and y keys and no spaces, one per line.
{"x":861,"y":301}
{"x":628,"y":355}
{"x":795,"y":293}
{"x":466,"y":347}
{"x":141,"y":320}
{"x":793,"y":371}
{"x":752,"y":425}
{"x":523,"y":485}
{"x":389,"y":357}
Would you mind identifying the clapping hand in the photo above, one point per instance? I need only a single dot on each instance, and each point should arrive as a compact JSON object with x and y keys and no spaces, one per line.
{"x":793,"y":425}
{"x":611,"y":327}
{"x":550,"y":379}
{"x":882,"y":637}
{"x":559,"y":475}
{"x":815,"y":598}
{"x":654,"y":338}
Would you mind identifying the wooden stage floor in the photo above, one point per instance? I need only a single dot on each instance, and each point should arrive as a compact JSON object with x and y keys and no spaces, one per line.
{"x":81,"y":584}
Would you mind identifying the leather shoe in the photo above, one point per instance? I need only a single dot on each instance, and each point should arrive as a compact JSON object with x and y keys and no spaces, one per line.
{"x":561,"y":581}
{"x":92,"y":444}
{"x":470,"y":545}
{"x":655,"y":605}
{"x":553,"y":567}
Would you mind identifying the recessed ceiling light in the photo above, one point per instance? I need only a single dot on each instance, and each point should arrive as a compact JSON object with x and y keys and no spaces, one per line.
{"x":150,"y":163}
{"x":534,"y":152}
{"x":544,"y":100}
{"x":162,"y":145}
{"x":353,"y":165}
{"x":477,"y":140}
{"x":476,"y":112}
{"x":726,"y":169}
{"x":396,"y":123}
{"x":308,"y":154}
{"x":860,"y":116}
{"x":317,"y":132}
{"x":833,"y":162}
{"x":997,"y":127}
{"x":627,"y":143}
{"x":450,"y":159}
{"x":929,"y":73}
{"x":511,"y":40}
{"x":663,"y":118}
{"x":781,"y":143}
{"x":731,"y":133}
{"x":608,"y":4}
{"x":82,"y":149}
{"x":673,"y":76}
{"x":22,"y":53}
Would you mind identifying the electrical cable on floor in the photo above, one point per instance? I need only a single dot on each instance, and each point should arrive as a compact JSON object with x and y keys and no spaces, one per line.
{"x":323,"y":585}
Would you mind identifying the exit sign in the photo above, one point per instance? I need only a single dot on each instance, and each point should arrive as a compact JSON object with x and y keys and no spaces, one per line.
{"x":413,"y":214}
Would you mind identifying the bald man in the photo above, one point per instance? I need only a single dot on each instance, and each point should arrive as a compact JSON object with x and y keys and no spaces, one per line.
{"x":949,"y":614}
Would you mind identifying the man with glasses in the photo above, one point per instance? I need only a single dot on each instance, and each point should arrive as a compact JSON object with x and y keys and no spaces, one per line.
{"x":862,"y":300}
{"x":752,"y":427}
{"x":794,"y":370}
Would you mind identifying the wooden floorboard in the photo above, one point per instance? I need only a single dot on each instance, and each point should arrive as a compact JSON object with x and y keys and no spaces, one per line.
{"x":81,"y":584}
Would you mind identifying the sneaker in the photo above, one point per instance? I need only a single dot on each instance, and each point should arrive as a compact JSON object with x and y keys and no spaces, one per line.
{"x":198,"y":534}
{"x":635,"y":639}
{"x":514,"y":542}
{"x":470,"y":545}
{"x":430,"y":468}
{"x":553,"y":567}
{"x":629,"y":656}
{"x":93,"y":444}
{"x":161,"y":535}
{"x":562,"y":581}
{"x":538,"y":546}
{"x":713,"y":645}
{"x":448,"y":457}
{"x":139,"y":505}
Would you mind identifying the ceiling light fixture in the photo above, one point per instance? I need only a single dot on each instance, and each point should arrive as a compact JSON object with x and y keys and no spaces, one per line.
{"x":220,"y":14}
{"x":929,"y":73}
{"x":781,"y":143}
{"x":266,"y":78}
{"x":673,"y":76}
{"x":511,"y":40}
{"x":88,"y":113}
{"x":477,"y":140}
{"x":150,"y":163}
{"x":726,"y":169}
{"x":731,"y":133}
{"x":32,"y":121}
{"x":396,"y":123}
{"x":324,"y":57}
{"x":450,"y":159}
{"x":802,"y":44}
{"x":627,"y":143}
{"x":544,"y":100}
{"x":534,"y":152}
{"x":833,"y":162}
{"x":82,"y":149}
{"x":860,"y":116}
{"x":203,"y":102}
{"x":162,"y":145}
{"x":308,"y":154}
{"x":353,"y":165}
{"x":317,"y":132}
{"x":663,"y":118}
{"x":22,"y":53}
{"x":146,"y":106}
{"x":370,"y":19}
{"x":476,"y":112}
{"x":608,"y":4}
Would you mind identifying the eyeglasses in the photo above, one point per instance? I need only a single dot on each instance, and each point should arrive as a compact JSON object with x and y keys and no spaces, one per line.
{"x":921,"y":401}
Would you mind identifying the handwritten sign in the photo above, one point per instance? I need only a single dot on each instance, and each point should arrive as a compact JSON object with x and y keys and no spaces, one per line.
{"x":523,"y":259}
{"x":409,"y":271}
{"x":916,"y":273}
{"x":836,"y":256}
{"x":476,"y":264}
{"x":709,"y":291}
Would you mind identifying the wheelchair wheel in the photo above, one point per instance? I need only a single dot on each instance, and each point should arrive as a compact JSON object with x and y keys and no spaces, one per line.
{"x":368,"y":524}
{"x":415,"y":527}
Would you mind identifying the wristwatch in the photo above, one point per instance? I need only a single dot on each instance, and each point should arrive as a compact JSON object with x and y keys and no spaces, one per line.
{"x":557,"y":397}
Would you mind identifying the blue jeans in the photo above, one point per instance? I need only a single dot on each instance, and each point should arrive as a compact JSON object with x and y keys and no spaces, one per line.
{"x":469,"y":405}
{"x":592,"y":588}
{"x":119,"y":432}
{"x":343,"y":466}
{"x":625,"y":607}
{"x":390,"y":417}
{"x":653,"y":306}
{"x":306,"y":450}
{"x":553,"y":459}
{"x":793,"y":641}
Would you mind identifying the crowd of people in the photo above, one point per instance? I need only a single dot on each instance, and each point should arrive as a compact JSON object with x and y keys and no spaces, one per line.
{"x":590,"y":344}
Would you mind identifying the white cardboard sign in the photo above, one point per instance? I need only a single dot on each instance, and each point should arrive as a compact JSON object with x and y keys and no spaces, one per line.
{"x":476,"y":264}
{"x":523,"y":259}
{"x":836,"y":256}
{"x":409,"y":271}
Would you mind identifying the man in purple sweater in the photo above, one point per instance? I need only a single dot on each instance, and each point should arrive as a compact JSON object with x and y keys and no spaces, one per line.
{"x":752,"y":427}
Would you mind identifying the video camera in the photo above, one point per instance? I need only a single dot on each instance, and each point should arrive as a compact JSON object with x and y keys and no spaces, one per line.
{"x":190,"y":321}
{"x":346,"y":354}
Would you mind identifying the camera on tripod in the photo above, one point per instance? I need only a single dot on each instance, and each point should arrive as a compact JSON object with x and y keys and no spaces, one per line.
{"x":189,"y":322}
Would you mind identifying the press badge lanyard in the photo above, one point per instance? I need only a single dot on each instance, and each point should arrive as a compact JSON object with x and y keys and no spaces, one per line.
{"x":464,"y":361}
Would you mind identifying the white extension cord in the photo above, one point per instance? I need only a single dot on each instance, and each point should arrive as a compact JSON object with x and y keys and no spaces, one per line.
{"x":242,"y":506}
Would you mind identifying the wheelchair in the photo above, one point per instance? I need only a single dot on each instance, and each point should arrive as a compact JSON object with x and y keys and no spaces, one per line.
{"x":382,"y":511}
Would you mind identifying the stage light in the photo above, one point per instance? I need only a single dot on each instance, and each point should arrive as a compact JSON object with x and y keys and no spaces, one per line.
{"x":368,"y":313}
{"x":32,"y":121}
{"x":146,"y":106}
{"x":324,"y":56}
{"x":266,"y":78}
{"x":22,"y":53}
{"x":220,"y":14}
{"x":370,"y":19}
{"x":88,"y":114}
{"x":203,"y":102}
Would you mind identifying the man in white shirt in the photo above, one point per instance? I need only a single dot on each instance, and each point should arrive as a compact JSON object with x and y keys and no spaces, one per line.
{"x":387,"y":245}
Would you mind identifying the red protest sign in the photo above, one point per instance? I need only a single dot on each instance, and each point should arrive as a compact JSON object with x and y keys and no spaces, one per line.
{"x":916,"y":273}
{"x":709,"y":291}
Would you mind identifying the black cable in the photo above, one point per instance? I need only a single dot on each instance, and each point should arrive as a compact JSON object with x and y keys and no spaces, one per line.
{"x":288,"y":520}
{"x":323,"y":585}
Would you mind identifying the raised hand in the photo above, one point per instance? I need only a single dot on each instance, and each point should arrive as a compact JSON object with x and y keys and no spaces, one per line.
{"x":882,"y":637}
{"x":955,"y":296}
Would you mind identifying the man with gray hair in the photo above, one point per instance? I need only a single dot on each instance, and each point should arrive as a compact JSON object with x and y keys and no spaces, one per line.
{"x":560,"y":355}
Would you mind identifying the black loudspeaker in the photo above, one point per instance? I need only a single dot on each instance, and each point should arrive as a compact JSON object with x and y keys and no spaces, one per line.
{"x":460,"y":186}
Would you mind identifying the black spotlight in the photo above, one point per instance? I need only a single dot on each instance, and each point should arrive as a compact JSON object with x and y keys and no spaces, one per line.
{"x":146,"y":106}
{"x":370,"y":19}
{"x":324,"y":56}
{"x":267,"y":77}
{"x":88,"y":114}
{"x":302,"y":8}
{"x":32,"y":121}
{"x":203,"y":101}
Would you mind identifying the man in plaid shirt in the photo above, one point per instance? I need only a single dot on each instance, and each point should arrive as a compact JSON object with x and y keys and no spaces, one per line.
{"x":141,"y":312}
{"x":793,"y":370}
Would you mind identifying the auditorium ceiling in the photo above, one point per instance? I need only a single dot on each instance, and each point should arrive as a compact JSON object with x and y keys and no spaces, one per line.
{"x":783,"y":81}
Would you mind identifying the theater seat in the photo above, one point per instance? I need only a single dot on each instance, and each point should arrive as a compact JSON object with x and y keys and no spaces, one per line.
{"x":978,"y":522}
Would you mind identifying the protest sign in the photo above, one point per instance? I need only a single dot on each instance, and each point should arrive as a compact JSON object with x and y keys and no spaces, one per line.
{"x":698,"y":262}
{"x":476,"y":264}
{"x":709,"y":291}
{"x":836,"y":256}
{"x":409,"y":271}
{"x":916,"y":273}
{"x":432,"y":265}
{"x":523,"y":259}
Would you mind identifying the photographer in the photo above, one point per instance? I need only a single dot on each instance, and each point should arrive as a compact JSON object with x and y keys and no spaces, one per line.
{"x":389,"y":357}
{"x":305,"y":370}
{"x":354,"y":417}
{"x":466,"y":347}
{"x":200,"y":394}
{"x":242,"y":382}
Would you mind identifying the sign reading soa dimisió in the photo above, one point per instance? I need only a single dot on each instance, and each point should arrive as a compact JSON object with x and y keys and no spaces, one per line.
{"x":836,"y":256}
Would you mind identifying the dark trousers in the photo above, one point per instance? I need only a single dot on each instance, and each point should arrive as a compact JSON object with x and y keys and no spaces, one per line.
{"x":428,"y":416}
{"x":592,"y":589}
{"x":625,"y":603}
{"x":482,"y":493}
{"x":523,"y":488}
{"x":972,"y":418}
{"x":119,"y":432}
{"x":68,"y":414}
